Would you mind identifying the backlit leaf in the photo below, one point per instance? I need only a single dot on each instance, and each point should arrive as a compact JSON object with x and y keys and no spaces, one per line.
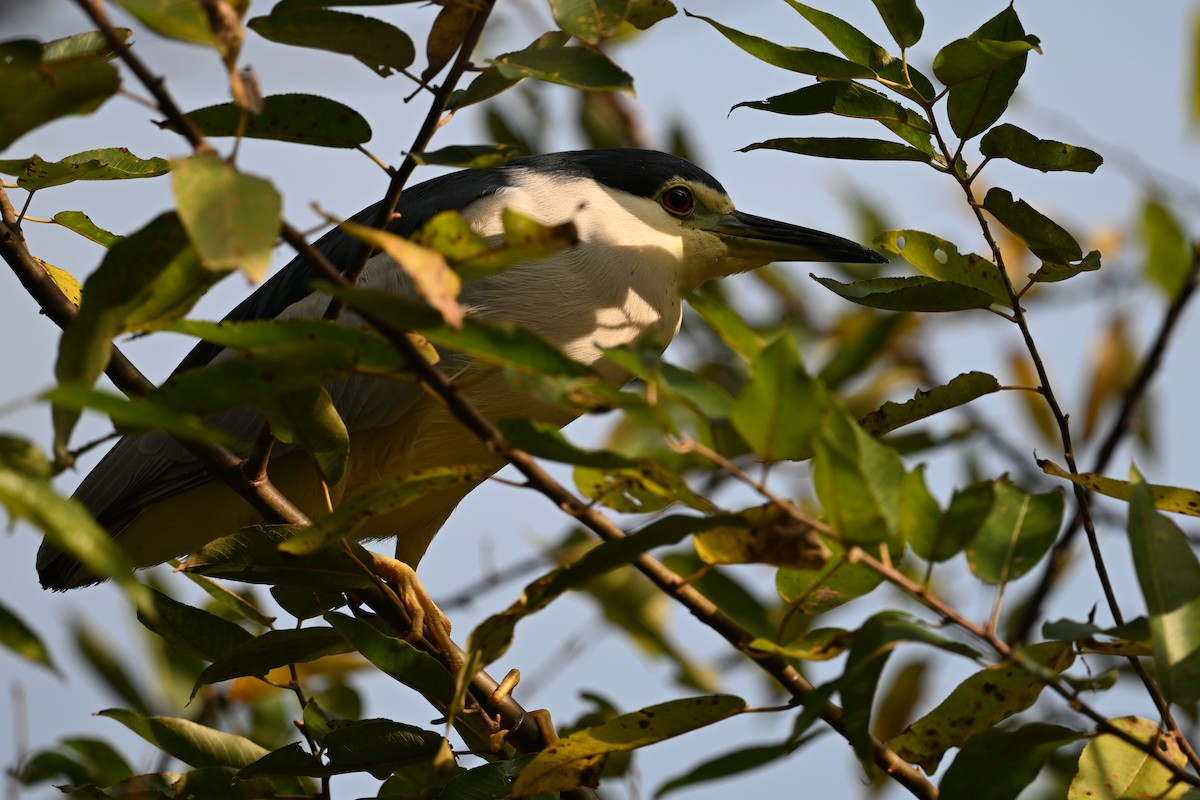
{"x":589,"y":20}
{"x":780,"y":410}
{"x":903,"y":19}
{"x":645,"y":13}
{"x":1174,"y":499}
{"x":978,"y":704}
{"x":1169,"y":575}
{"x":578,"y":67}
{"x":857,"y":480}
{"x":19,"y":638}
{"x":463,"y":156}
{"x":232,"y":218}
{"x":568,"y":763}
{"x":935,"y":535}
{"x":178,"y":19}
{"x":838,"y":581}
{"x":1168,"y":252}
{"x":940,"y":259}
{"x":308,"y":417}
{"x":432,"y":277}
{"x":38,"y":90}
{"x":772,"y":536}
{"x":1112,"y":769}
{"x":1020,"y":529}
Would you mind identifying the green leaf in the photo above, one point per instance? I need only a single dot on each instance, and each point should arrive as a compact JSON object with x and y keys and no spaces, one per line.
{"x":873,"y":644}
{"x":577,"y":67}
{"x":1169,"y":575}
{"x":89,"y":43}
{"x":936,"y":536}
{"x":190,"y":742}
{"x":732,"y":329}
{"x":21,"y":639}
{"x":308,"y":417}
{"x":1046,"y":155}
{"x":903,"y":19}
{"x":941,"y":260}
{"x":794,"y":59}
{"x":645,"y":13}
{"x":974,"y":106}
{"x":259,"y":655}
{"x":114,"y":163}
{"x":845,"y":148}
{"x":1000,"y":763}
{"x":138,"y":414}
{"x":547,"y":441}
{"x":978,"y":704}
{"x":1019,"y":531}
{"x":926,"y":403}
{"x":178,"y":19}
{"x":859,"y":48}
{"x":300,"y":118}
{"x":780,"y":410}
{"x":589,"y":21}
{"x":916,"y":293}
{"x":379,"y":45}
{"x":38,"y":89}
{"x":431,"y":276}
{"x":1112,"y":769}
{"x":839,"y":581}
{"x":387,"y":495}
{"x":568,"y":763}
{"x":819,"y":644}
{"x":1044,"y":237}
{"x":370,"y":352}
{"x":1050,"y":272}
{"x":82,"y":224}
{"x":252,"y":555}
{"x":857,"y":480}
{"x":965,"y":59}
{"x":192,"y":630}
{"x":232,"y":218}
{"x":396,"y":658}
{"x":99,"y":654}
{"x":1169,"y":254}
{"x":480,"y":156}
{"x":643,"y":488}
{"x":1165,"y":498}
{"x":378,"y":746}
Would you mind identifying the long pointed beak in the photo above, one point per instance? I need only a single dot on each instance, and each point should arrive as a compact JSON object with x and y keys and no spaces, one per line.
{"x":758,"y":239}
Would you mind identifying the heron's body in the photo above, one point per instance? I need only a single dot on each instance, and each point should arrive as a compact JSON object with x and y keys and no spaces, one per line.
{"x":622,"y":282}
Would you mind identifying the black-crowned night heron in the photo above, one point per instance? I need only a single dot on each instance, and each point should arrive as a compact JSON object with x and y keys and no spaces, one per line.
{"x":650,"y":226}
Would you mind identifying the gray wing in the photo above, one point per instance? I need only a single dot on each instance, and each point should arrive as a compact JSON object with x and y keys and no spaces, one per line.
{"x":143,"y":469}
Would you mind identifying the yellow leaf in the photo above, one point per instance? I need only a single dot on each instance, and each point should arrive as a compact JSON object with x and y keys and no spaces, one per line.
{"x":65,"y":281}
{"x":1166,"y":498}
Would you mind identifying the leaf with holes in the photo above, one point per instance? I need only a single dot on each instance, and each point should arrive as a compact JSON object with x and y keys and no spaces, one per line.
{"x":941,"y":260}
{"x":1047,"y":155}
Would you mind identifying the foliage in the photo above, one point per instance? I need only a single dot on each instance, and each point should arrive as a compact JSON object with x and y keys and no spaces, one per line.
{"x":853,"y":510}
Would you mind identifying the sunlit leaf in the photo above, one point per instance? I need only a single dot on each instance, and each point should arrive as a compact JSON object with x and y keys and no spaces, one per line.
{"x":961,"y":390}
{"x":232,"y":218}
{"x":578,"y":67}
{"x":179,"y":19}
{"x":731,"y":328}
{"x":816,"y":591}
{"x":915,"y":293}
{"x":308,"y":417}
{"x":573,"y":761}
{"x":88,"y":43}
{"x":780,"y":410}
{"x":978,"y":704}
{"x":589,"y":20}
{"x":300,"y":118}
{"x":381,"y":46}
{"x":857,"y":480}
{"x":1112,"y":769}
{"x":819,"y":644}
{"x":1019,"y":530}
{"x":1169,"y":575}
{"x":114,"y":163}
{"x":935,"y":535}
{"x":940,"y":259}
{"x":1174,"y":499}
{"x":82,"y":224}
{"x":1022,"y":147}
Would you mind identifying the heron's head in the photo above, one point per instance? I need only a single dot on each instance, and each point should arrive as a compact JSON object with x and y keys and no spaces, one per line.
{"x":642,"y":199}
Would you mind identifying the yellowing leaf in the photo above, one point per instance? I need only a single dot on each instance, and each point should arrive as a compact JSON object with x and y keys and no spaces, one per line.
{"x":65,"y":281}
{"x":431,"y":275}
{"x":1112,"y":769}
{"x":1166,"y":498}
{"x":773,"y":537}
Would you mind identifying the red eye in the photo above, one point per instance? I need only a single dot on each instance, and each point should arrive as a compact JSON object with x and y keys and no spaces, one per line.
{"x":677,"y":200}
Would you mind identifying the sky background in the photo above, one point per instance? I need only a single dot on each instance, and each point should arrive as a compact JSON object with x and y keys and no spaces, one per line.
{"x":1113,"y":77}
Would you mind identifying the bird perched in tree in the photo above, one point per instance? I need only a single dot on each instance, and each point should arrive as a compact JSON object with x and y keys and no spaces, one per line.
{"x":650,"y":227}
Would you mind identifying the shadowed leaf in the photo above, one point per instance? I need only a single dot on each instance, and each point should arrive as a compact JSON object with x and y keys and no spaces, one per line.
{"x":915,"y":293}
{"x":300,"y":118}
{"x":961,"y":390}
{"x":1047,"y":155}
{"x":794,"y":59}
{"x":845,"y":148}
{"x":974,"y":105}
{"x":1017,"y":533}
{"x":19,"y":638}
{"x":1001,"y":762}
{"x":190,"y":742}
{"x":379,"y":45}
{"x":903,"y":19}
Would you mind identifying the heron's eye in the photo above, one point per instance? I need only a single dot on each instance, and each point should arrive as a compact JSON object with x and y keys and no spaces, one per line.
{"x":678,"y":200}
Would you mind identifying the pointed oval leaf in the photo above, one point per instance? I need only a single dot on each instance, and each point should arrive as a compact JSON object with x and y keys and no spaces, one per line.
{"x":252,"y":555}
{"x":568,"y":763}
{"x":1000,"y":763}
{"x":232,"y":218}
{"x":396,"y":658}
{"x":432,"y":277}
{"x":589,"y":20}
{"x":308,"y":417}
{"x":178,"y":19}
{"x":841,"y":147}
{"x":1110,"y":768}
{"x":20,"y":639}
{"x":1169,"y":254}
{"x":964,"y":59}
{"x":1020,"y":529}
{"x":839,"y":581}
{"x":1044,"y":237}
{"x":916,"y":293}
{"x":113,"y":163}
{"x":82,"y":224}
{"x":38,"y":90}
{"x":645,"y":13}
{"x":1021,"y":146}
{"x":940,"y":259}
{"x":974,"y":106}
{"x":903,"y":19}
{"x":1169,"y":575}
{"x":191,"y":630}
{"x":577,"y":67}
{"x":138,"y":414}
{"x":381,"y":46}
{"x":300,"y":118}
{"x":378,"y":746}
{"x":794,"y":59}
{"x":190,"y":742}
{"x":771,"y":536}
{"x":1174,"y":499}
{"x":926,"y":403}
{"x":858,"y":481}
{"x":259,"y":655}
{"x":780,"y":410}
{"x":88,"y":43}
{"x":462,"y":156}
{"x":978,"y":704}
